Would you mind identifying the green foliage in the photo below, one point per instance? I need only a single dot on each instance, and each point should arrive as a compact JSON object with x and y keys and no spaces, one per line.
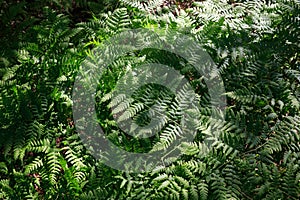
{"x":255,"y":145}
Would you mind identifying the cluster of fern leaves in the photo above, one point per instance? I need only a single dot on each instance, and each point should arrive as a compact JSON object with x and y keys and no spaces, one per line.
{"x":254,"y":150}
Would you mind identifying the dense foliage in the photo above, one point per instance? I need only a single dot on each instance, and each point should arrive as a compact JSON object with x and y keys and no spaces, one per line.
{"x":255,"y":151}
